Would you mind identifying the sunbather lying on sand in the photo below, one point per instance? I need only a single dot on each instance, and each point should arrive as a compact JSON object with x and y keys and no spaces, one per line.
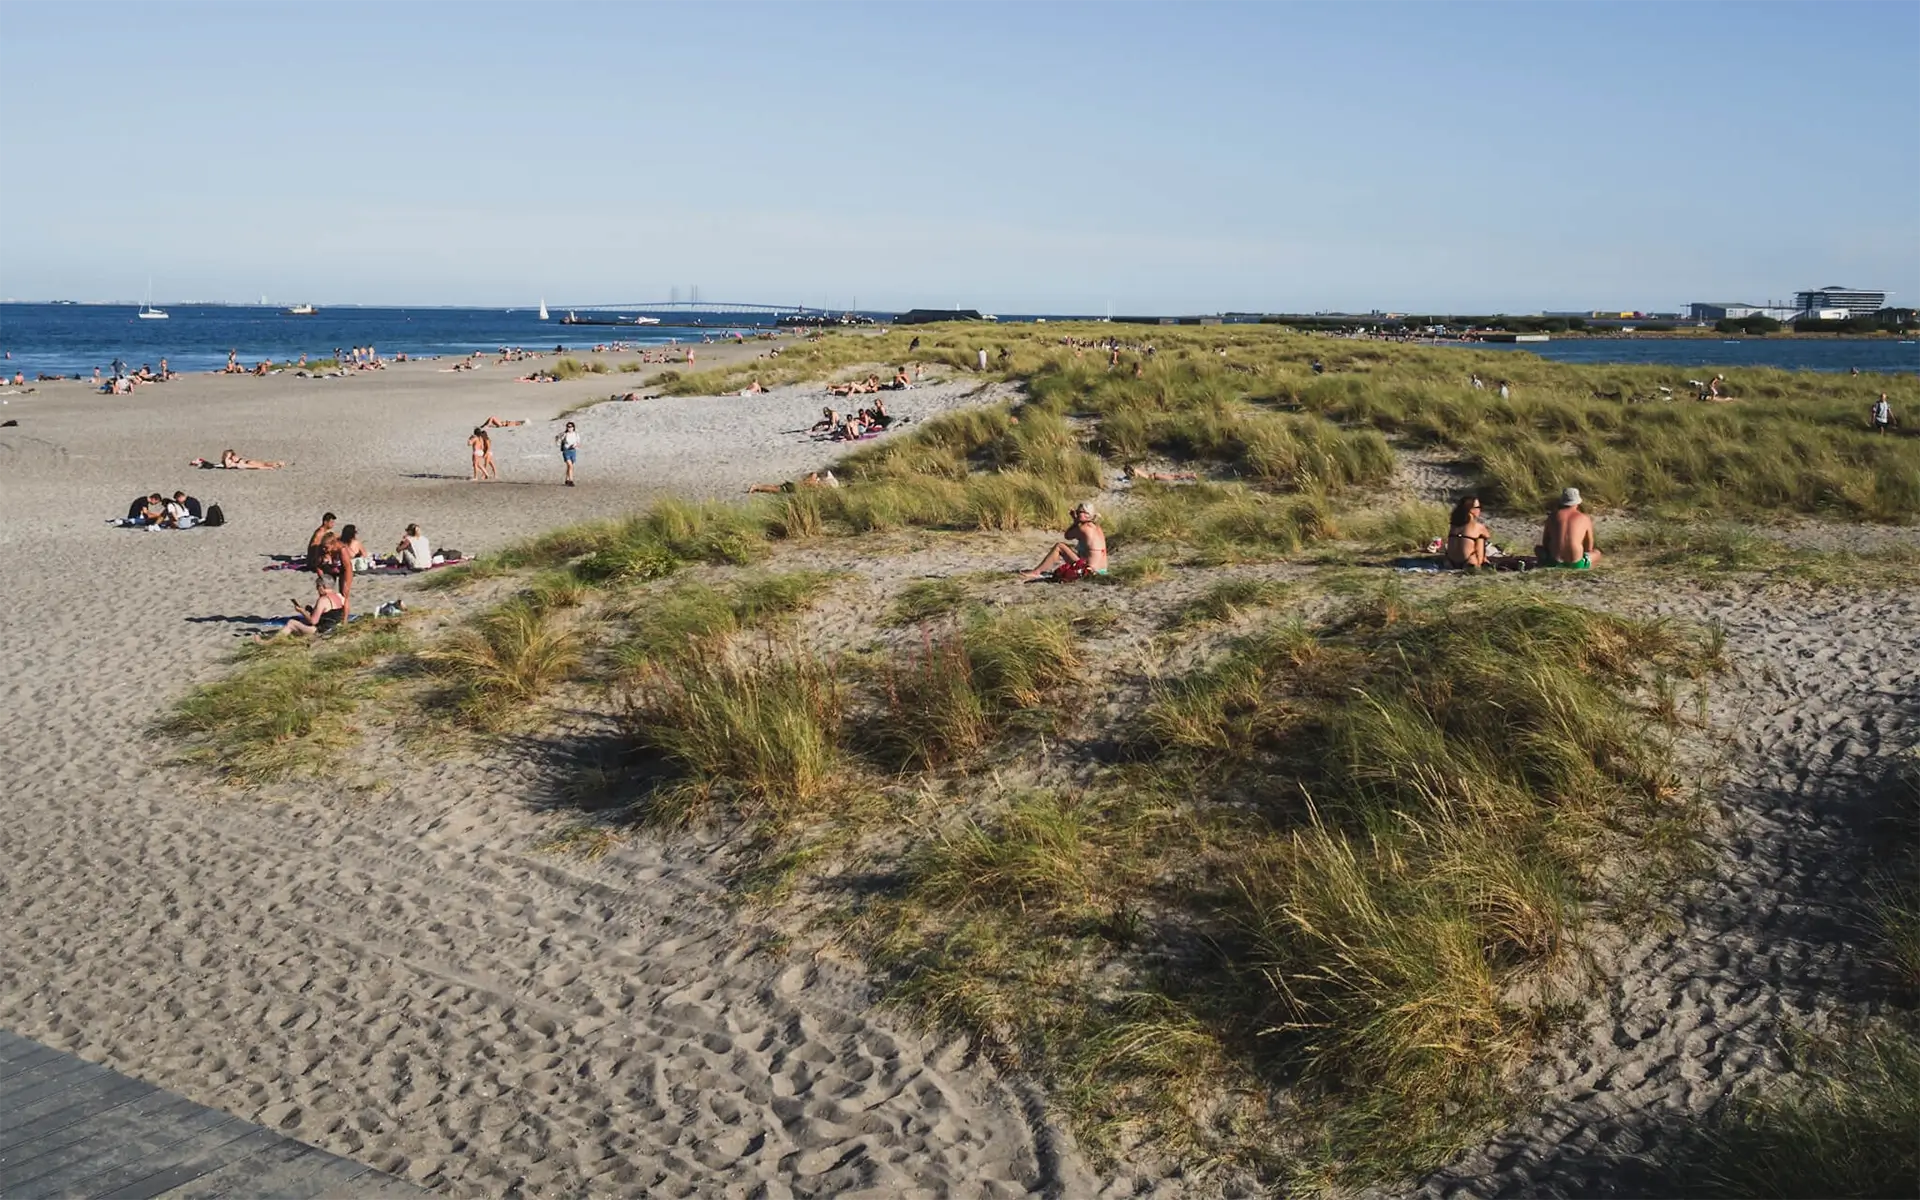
{"x":1138,"y":473}
{"x":1084,"y":552}
{"x":232,"y":461}
{"x":812,"y":479}
{"x":499,"y":423}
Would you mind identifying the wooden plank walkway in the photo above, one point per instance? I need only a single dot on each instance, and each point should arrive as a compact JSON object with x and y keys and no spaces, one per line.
{"x":71,"y":1128}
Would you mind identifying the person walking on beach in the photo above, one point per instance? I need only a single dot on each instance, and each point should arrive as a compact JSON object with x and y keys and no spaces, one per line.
{"x":569,"y":440}
{"x":1882,"y":414}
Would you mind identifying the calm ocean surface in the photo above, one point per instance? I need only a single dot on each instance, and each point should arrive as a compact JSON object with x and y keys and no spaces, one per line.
{"x":67,"y":339}
{"x":1788,"y":354}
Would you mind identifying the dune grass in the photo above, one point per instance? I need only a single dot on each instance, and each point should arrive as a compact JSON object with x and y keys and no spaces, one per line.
{"x":1299,"y":908}
{"x":288,"y":707}
{"x":1360,"y":856}
{"x":504,"y":662}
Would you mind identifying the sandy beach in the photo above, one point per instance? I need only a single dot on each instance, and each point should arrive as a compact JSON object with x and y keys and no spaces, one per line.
{"x":405,"y":978}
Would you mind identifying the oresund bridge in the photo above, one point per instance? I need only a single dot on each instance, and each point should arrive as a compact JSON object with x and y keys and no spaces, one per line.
{"x":701,"y":307}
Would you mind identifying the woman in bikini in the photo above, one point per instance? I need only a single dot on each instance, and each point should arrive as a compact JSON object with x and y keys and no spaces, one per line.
{"x":481,"y":445}
{"x":1467,"y":535}
{"x":327,"y":610}
{"x":232,"y":461}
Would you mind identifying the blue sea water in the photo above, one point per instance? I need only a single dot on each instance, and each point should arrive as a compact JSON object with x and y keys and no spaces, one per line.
{"x":68,"y":339}
{"x":1878,"y":355}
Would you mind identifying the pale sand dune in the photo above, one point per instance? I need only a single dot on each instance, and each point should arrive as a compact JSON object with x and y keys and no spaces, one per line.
{"x":404,"y":978}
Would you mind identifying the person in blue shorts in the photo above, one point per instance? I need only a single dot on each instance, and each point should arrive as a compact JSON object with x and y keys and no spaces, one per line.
{"x":569,"y":440}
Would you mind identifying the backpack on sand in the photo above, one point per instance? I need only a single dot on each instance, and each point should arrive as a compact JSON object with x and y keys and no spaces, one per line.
{"x":214,"y":516}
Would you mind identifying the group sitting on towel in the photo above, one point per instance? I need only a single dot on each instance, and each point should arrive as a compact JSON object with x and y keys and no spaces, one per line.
{"x":1566,"y":541}
{"x":854,"y":425}
{"x":180,"y":511}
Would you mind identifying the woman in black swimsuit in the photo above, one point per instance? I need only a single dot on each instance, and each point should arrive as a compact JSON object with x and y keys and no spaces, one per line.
{"x":1467,"y":535}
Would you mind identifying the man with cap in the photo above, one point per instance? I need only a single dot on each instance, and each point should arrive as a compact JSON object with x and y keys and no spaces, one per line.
{"x":1567,"y":540}
{"x":1084,"y":552}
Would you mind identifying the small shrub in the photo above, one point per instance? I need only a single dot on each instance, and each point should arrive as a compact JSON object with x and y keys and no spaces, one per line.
{"x":761,"y":737}
{"x":505,"y":661}
{"x":926,"y":599}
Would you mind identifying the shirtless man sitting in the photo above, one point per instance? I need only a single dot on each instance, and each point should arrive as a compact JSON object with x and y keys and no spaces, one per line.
{"x":1567,"y":540}
{"x":1084,"y":552}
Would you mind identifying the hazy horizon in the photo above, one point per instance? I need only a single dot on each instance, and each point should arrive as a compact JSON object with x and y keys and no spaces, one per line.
{"x":1036,"y":159}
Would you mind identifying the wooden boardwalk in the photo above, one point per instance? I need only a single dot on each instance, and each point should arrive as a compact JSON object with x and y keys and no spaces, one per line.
{"x":71,"y":1128}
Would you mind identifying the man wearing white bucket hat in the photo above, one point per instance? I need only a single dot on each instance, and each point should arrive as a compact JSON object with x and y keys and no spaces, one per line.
{"x":1567,"y":541}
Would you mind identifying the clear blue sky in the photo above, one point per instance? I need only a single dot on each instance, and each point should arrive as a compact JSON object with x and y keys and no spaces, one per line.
{"x":1016,"y":158}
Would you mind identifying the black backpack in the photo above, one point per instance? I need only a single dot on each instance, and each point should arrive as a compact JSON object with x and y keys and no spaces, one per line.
{"x":214,"y":516}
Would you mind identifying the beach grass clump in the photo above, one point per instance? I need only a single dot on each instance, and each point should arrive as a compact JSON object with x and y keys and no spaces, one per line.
{"x":505,"y":661}
{"x":1379,"y":826}
{"x":1228,"y":599}
{"x":959,"y":689}
{"x":927,"y":599}
{"x":1221,"y":524}
{"x":694,"y":619}
{"x":759,"y":738}
{"x":1842,"y":1125}
{"x":287,"y":710}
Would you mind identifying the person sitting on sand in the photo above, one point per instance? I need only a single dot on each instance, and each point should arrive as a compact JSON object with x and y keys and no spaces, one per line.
{"x":144,"y":510}
{"x":753,"y":389}
{"x":317,"y":543}
{"x":900,"y":381}
{"x":500,"y":423}
{"x":1136,"y":474}
{"x":413,"y":552}
{"x":1467,"y":535}
{"x":1567,"y":540}
{"x":1083,"y":553}
{"x":853,"y":428}
{"x":811,"y":479}
{"x":328,"y":609}
{"x":192,"y":506}
{"x":480,"y":444}
{"x":876,"y":416}
{"x":828,"y":420}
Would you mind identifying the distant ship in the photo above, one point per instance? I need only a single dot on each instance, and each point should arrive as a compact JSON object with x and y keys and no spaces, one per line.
{"x":543,"y":309}
{"x":576,"y":319}
{"x":302,"y":310}
{"x":147,"y":311}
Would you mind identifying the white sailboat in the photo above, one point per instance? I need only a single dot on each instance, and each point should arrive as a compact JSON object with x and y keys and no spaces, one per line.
{"x":147,"y":311}
{"x":543,"y":308}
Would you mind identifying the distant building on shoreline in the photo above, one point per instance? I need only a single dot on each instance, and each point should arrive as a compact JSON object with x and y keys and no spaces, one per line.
{"x":1857,"y":303}
{"x":1727,"y":310}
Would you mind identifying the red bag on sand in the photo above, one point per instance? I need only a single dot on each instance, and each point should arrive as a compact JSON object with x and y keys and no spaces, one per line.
{"x":1069,"y":571}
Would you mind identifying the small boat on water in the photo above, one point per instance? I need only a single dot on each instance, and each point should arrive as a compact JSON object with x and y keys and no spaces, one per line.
{"x":543,"y":309}
{"x":646,"y":320}
{"x":302,"y":310}
{"x":147,"y":311}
